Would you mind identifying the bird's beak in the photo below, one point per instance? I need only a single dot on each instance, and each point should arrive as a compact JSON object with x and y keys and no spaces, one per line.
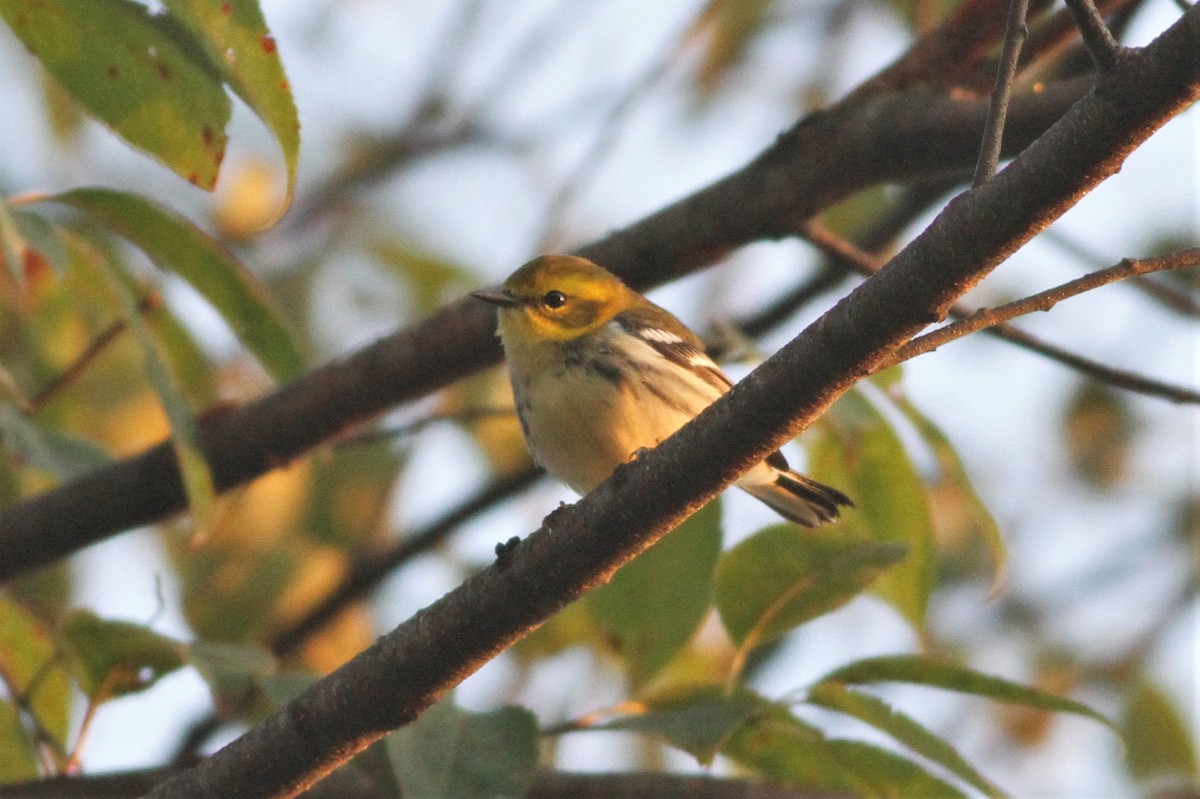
{"x":498,"y":296}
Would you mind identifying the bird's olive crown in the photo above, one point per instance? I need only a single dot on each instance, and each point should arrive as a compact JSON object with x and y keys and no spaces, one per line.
{"x":563,"y":297}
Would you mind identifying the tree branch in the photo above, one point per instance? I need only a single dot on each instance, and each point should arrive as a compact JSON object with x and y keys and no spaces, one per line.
{"x":1006,"y":71}
{"x":346,"y":784}
{"x":1099,"y":41}
{"x":823,"y":159}
{"x":868,"y":264}
{"x":580,"y":546}
{"x":366,"y":574}
{"x":1045,"y":300}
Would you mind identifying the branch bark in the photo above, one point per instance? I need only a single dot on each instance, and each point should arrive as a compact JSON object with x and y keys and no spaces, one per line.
{"x":1045,"y":300}
{"x":350,"y":785}
{"x":581,"y":545}
{"x":868,"y":264}
{"x":821,"y":160}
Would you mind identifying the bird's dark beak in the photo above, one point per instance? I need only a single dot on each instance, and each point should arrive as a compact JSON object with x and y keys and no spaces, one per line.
{"x":499,"y":297}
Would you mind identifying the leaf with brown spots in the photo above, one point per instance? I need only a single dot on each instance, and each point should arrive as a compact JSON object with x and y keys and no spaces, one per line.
{"x":137,"y":75}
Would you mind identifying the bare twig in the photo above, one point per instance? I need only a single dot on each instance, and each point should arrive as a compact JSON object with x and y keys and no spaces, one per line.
{"x":868,"y":264}
{"x":465,"y":416}
{"x":1099,"y":41}
{"x":1179,"y":300}
{"x":67,"y":376}
{"x":1056,"y":37}
{"x":1006,"y":70}
{"x":1045,"y":300}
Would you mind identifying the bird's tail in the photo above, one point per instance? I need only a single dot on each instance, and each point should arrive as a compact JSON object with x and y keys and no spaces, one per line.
{"x":799,"y":499}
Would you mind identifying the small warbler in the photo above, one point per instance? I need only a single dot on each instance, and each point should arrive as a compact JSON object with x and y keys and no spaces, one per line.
{"x":599,"y":372}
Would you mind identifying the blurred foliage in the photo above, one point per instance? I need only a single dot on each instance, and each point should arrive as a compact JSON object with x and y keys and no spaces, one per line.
{"x":123,"y":321}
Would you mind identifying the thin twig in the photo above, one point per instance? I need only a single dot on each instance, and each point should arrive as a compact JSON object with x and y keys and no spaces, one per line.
{"x":1177,"y":299}
{"x":1045,"y":300}
{"x":416,"y":426}
{"x":1098,"y":39}
{"x":868,"y":264}
{"x":1006,"y":70}
{"x":107,"y":336}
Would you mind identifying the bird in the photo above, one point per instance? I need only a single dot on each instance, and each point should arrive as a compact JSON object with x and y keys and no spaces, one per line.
{"x":600,"y":373}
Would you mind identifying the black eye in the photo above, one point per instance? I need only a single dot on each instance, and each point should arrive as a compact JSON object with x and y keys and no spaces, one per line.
{"x":554,"y":299}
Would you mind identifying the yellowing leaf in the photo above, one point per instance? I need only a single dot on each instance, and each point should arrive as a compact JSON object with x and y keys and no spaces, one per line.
{"x":1158,"y":742}
{"x":175,"y":244}
{"x":20,"y":760}
{"x":234,"y":36}
{"x":112,"y":658}
{"x":128,"y":70}
{"x":783,"y":576}
{"x":29,"y":663}
{"x":859,"y":452}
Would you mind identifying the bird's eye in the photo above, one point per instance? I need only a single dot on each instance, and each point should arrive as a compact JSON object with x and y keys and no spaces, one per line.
{"x":554,"y":299}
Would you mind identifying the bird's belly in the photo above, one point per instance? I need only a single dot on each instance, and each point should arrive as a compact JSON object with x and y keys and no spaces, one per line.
{"x":581,"y":433}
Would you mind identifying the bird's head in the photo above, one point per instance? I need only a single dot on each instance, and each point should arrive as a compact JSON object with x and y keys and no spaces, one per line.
{"x":557,"y":298}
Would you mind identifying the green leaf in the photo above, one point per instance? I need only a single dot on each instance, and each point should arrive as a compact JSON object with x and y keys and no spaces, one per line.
{"x":940,"y":674}
{"x":1158,"y":740}
{"x":903,"y":728}
{"x":20,"y":760}
{"x":27,"y":661}
{"x":654,"y":604}
{"x":698,"y":721}
{"x":123,"y":66}
{"x":860,"y":452}
{"x":781,"y":747}
{"x":449,"y":753}
{"x":235,"y":38}
{"x":113,"y":658}
{"x":193,"y":470}
{"x":953,"y":483}
{"x":880,"y":774}
{"x":175,"y":244}
{"x":234,"y":672}
{"x":43,"y":447}
{"x":783,"y":576}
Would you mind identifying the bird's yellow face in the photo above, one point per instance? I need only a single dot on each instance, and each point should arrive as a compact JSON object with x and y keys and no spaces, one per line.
{"x":556,"y":298}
